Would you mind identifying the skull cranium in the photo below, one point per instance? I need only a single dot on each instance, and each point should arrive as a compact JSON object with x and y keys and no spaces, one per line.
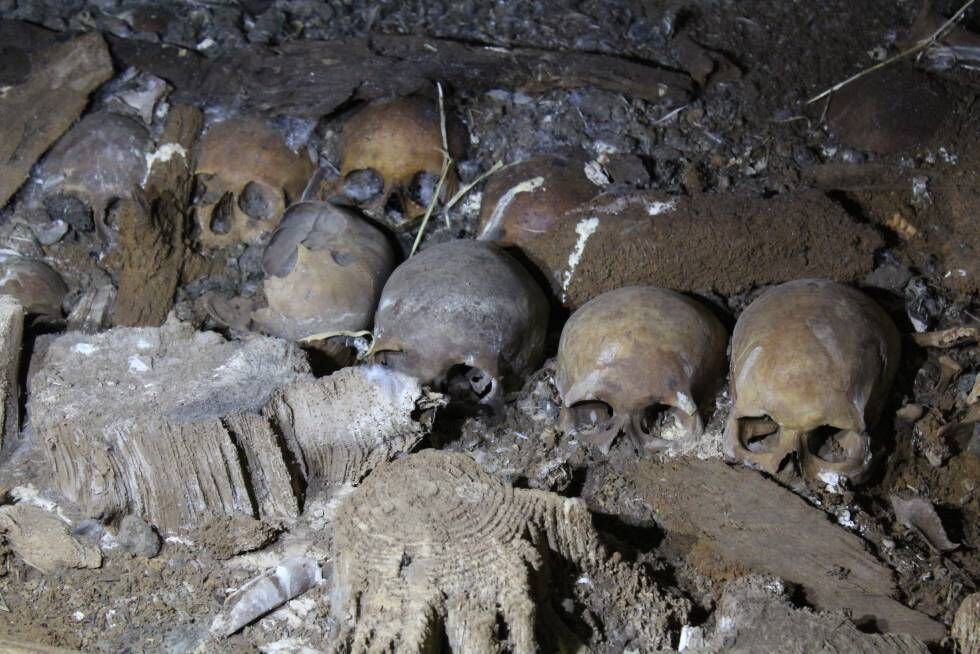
{"x":325,"y":267}
{"x":246,"y":176}
{"x":395,"y":147}
{"x":101,"y":159}
{"x":524,"y":201}
{"x":37,"y":286}
{"x":633,"y":358}
{"x":462,"y":307}
{"x":812,"y":361}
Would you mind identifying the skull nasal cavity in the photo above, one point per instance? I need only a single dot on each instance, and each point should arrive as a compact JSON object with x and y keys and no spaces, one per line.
{"x":258,"y":201}
{"x":363,"y":185}
{"x":223,"y":215}
{"x":422,"y":188}
{"x":834,"y":445}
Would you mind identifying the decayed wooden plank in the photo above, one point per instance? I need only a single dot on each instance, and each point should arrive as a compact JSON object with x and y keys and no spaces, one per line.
{"x":313,"y":78}
{"x":768,"y":529}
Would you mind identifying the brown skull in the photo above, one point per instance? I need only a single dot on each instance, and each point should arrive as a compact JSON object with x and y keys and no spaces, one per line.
{"x":395,"y":147}
{"x":812,"y":361}
{"x":463,"y":308}
{"x":635,"y":360}
{"x":38,"y":288}
{"x":246,"y":176}
{"x":524,"y":201}
{"x":325,"y":267}
{"x":101,"y":159}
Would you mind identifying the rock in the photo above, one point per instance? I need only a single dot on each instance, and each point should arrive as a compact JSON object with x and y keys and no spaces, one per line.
{"x":920,"y":516}
{"x":226,"y":536}
{"x":726,"y":243}
{"x":777,"y":534}
{"x":11,"y":339}
{"x":152,"y":421}
{"x":43,"y":103}
{"x":137,"y":537}
{"x":966,"y":625}
{"x":43,"y":540}
{"x":754,"y":615}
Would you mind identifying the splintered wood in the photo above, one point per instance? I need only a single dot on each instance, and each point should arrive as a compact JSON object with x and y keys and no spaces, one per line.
{"x":180,"y":426}
{"x":432,"y":540}
{"x":368,"y":414}
{"x":11,"y":338}
{"x":131,"y":421}
{"x":770,"y":530}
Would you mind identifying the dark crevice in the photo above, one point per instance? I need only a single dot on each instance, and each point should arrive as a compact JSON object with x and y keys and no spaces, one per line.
{"x":245,"y":468}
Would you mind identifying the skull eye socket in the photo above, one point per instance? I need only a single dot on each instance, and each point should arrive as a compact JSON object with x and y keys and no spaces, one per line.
{"x":422,"y":188}
{"x":835,"y":445}
{"x":758,"y":434}
{"x":364,"y":185}
{"x":590,"y":415}
{"x":71,"y":209}
{"x":222,"y":215}
{"x":258,"y":201}
{"x":204,"y":193}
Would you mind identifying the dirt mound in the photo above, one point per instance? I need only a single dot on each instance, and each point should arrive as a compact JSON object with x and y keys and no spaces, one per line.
{"x":700,"y":243}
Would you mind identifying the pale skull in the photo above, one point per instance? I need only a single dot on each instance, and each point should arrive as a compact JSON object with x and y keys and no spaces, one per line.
{"x":394,"y":148}
{"x":245,"y":178}
{"x":325,"y":267}
{"x":37,"y":286}
{"x":812,"y":362}
{"x":462,"y":312}
{"x":101,"y":159}
{"x":639,"y":360}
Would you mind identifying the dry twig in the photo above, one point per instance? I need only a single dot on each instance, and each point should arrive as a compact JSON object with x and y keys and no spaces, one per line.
{"x":918,"y":47}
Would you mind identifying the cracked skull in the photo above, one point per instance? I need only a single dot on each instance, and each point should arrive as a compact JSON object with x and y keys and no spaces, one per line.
{"x":638,"y":360}
{"x":463,"y":314}
{"x":394,"y":149}
{"x":812,"y":361}
{"x":245,"y":178}
{"x":325,"y":267}
{"x":101,"y":159}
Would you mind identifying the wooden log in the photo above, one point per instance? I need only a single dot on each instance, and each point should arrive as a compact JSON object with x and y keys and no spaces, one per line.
{"x":770,"y":530}
{"x":146,"y":420}
{"x":314,"y":78}
{"x":11,"y":340}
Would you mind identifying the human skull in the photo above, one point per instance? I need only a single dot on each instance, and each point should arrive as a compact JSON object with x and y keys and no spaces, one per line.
{"x":812,"y":361}
{"x":245,"y":178}
{"x":636,"y":359}
{"x":395,"y":146}
{"x":101,"y":159}
{"x":38,"y":288}
{"x":325,"y":267}
{"x":462,"y":312}
{"x":523,"y":201}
